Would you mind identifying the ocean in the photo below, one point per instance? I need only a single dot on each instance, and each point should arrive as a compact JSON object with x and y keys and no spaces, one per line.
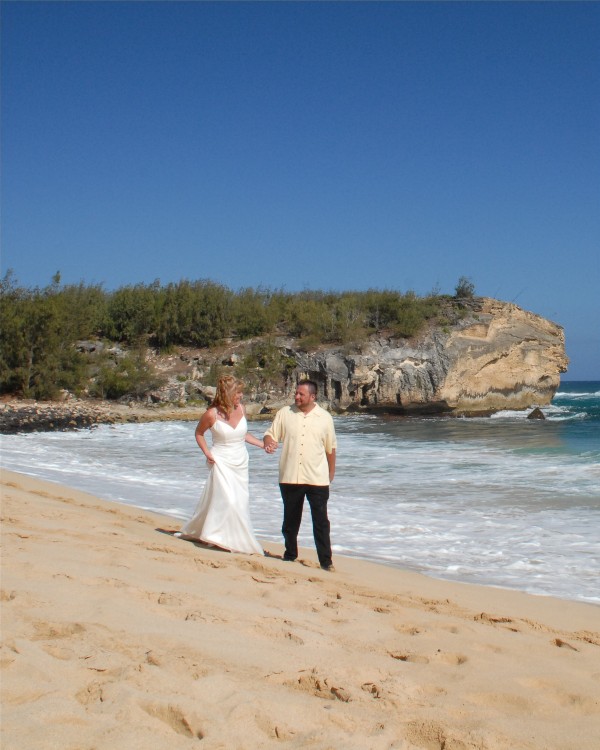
{"x":502,"y":501}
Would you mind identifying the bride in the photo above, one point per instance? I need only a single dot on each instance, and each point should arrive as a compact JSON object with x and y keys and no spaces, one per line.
{"x":222,"y":517}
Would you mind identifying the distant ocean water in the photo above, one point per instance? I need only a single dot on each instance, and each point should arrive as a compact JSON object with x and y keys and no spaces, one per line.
{"x":502,"y":501}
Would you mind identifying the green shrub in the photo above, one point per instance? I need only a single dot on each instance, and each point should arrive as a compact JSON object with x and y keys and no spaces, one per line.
{"x":264,"y":364}
{"x":130,"y":375}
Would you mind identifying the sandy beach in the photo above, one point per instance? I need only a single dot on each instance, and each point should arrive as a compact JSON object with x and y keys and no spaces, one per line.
{"x":115,"y":634}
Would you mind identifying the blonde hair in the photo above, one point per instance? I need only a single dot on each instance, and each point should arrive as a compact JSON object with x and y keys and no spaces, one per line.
{"x":227,"y":387}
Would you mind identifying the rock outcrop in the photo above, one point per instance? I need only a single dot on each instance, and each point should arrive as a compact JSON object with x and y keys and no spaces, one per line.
{"x":497,"y":357}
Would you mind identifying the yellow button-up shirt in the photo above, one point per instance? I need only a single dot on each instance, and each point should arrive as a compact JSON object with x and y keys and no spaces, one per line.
{"x":307,"y":438}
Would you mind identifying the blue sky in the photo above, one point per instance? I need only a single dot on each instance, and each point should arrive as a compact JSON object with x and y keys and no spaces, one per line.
{"x":344,"y":145}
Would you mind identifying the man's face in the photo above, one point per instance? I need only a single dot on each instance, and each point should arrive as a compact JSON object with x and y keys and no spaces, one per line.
{"x":303,"y":398}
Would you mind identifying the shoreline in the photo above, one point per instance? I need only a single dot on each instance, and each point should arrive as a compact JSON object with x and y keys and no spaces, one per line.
{"x":21,"y":416}
{"x":117,"y":634}
{"x":349,"y":555}
{"x":18,"y":416}
{"x":269,"y":545}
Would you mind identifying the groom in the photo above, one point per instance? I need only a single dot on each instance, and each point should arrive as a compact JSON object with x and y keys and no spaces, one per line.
{"x":306,"y":468}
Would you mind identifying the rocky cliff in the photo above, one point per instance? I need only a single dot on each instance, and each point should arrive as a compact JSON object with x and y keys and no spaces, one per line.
{"x":491,"y":356}
{"x":496,"y":357}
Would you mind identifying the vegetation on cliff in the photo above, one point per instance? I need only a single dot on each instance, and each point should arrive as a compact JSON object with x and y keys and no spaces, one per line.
{"x":41,"y":328}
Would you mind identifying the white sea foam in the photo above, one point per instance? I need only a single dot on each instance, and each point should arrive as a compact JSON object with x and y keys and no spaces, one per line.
{"x":577,"y":396}
{"x":552,"y":412}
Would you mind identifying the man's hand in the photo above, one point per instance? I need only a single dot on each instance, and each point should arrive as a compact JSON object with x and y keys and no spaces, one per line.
{"x":270,"y":444}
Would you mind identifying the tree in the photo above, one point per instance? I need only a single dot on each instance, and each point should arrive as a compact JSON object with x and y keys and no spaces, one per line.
{"x":37,"y":353}
{"x":250,"y":313}
{"x":465,"y":289}
{"x":131,"y":312}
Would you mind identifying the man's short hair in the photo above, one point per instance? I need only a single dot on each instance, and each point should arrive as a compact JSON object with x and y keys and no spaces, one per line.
{"x":312,"y":386}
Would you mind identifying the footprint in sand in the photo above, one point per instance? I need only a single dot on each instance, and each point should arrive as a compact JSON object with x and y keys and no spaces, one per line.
{"x":308,"y":563}
{"x":294,"y":638}
{"x":169,"y":599}
{"x":203,"y":617}
{"x":488,"y":648}
{"x":90,"y":694}
{"x":588,"y":637}
{"x":210,"y":564}
{"x":160,"y":548}
{"x":257,"y":567}
{"x":372,"y":688}
{"x":59,"y":652}
{"x":174,"y":718}
{"x":497,"y":620}
{"x":57,"y":630}
{"x":413,"y":658}
{"x":8,"y":655}
{"x":20,"y":698}
{"x":452,"y":659}
{"x":249,"y":715}
{"x":505,"y":703}
{"x":180,"y":664}
{"x":428,"y":734}
{"x":553,"y":689}
{"x":321,"y":687}
{"x":407,"y":629}
{"x":266,"y":629}
{"x":114,"y":582}
{"x":563,"y":644}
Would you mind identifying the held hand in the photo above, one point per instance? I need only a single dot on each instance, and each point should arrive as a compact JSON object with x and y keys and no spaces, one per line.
{"x":209,"y":458}
{"x":271,"y":447}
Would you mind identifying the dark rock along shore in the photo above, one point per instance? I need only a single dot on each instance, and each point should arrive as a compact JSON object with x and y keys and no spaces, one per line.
{"x":34,"y":416}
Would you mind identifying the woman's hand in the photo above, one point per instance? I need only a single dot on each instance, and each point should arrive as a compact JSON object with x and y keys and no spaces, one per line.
{"x":206,"y":422}
{"x":270,"y":445}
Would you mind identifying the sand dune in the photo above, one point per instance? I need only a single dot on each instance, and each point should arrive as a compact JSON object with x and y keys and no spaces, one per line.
{"x":115,"y":634}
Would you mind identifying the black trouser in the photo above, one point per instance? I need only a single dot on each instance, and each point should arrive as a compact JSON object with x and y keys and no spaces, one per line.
{"x":293,"y":502}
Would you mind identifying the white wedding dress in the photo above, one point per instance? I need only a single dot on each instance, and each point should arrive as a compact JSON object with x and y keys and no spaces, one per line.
{"x":222,"y":517}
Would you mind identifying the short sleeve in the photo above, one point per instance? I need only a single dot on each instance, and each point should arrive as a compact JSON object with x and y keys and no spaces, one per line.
{"x":275,"y":431}
{"x":330,"y":437}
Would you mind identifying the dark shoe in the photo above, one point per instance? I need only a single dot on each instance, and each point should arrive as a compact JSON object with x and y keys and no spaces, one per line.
{"x":289,"y":559}
{"x":328,"y":568}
